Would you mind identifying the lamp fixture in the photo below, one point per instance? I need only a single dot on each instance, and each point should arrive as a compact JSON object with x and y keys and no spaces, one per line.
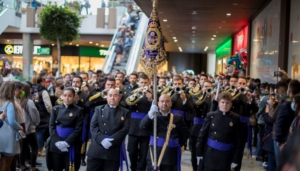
{"x":228,"y":14}
{"x":102,"y":45}
{"x":97,"y":44}
{"x":91,"y":42}
{"x":205,"y":48}
{"x":165,"y":20}
{"x":212,"y":38}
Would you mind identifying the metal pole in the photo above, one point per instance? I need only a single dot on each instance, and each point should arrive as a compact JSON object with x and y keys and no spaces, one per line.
{"x":155,"y":121}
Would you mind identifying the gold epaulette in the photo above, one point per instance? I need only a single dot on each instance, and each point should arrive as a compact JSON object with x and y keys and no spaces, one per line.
{"x":95,"y":96}
{"x":59,"y":101}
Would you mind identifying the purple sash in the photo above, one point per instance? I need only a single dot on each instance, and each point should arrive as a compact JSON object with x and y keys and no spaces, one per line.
{"x":138,"y":115}
{"x":198,"y":121}
{"x":172,"y":143}
{"x":219,"y":145}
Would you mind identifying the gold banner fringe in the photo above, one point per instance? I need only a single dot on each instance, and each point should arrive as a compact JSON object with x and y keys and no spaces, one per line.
{"x":89,"y":143}
{"x":83,"y":148}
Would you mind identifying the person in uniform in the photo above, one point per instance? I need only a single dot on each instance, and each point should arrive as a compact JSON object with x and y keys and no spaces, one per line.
{"x":202,"y":105}
{"x":138,"y":140}
{"x":109,"y":127}
{"x":177,"y":135}
{"x":218,"y":142}
{"x":63,"y":151}
{"x":132,"y":84}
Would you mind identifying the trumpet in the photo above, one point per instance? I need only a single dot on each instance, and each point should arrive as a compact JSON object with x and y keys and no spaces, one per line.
{"x":233,"y":88}
{"x":177,"y":90}
{"x":243,"y":90}
{"x":76,"y":89}
{"x":209,"y":91}
{"x":137,"y":95}
{"x":160,"y":88}
{"x":104,"y":94}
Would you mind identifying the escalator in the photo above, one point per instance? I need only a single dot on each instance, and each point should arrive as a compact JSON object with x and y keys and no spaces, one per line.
{"x":9,"y":17}
{"x":130,"y":63}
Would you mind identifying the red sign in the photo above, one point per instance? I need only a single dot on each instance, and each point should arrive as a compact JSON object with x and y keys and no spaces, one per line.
{"x":241,"y":41}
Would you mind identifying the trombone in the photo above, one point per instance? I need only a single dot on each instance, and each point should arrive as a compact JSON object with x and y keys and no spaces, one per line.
{"x":137,"y":95}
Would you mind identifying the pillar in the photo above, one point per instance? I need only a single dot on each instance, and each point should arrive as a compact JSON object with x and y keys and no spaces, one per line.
{"x":27,"y":57}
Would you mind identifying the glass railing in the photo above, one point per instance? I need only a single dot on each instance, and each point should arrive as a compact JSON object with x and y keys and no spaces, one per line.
{"x":11,"y":4}
{"x":84,"y":7}
{"x":135,"y":52}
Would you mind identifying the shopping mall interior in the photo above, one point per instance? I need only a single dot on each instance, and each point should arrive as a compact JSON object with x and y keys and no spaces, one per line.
{"x":255,"y":37}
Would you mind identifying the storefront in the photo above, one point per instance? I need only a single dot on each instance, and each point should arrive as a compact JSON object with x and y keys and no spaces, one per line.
{"x":89,"y":58}
{"x":223,"y":53}
{"x":42,"y":58}
{"x":240,"y":46}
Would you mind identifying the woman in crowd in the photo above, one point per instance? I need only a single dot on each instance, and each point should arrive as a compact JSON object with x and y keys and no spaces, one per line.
{"x":10,"y":147}
{"x":65,"y":134}
{"x":32,"y":119}
{"x":295,"y":107}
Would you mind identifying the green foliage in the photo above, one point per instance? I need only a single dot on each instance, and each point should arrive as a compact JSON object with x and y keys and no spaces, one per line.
{"x":59,"y":24}
{"x":74,"y":4}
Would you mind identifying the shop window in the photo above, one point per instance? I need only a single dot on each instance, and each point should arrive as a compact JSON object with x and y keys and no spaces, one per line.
{"x":84,"y":64}
{"x":41,"y":63}
{"x":69,"y":64}
{"x":96,"y":63}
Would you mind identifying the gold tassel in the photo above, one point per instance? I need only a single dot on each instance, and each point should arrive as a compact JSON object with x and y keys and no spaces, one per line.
{"x":248,"y":155}
{"x":95,"y":96}
{"x":89,"y":143}
{"x":70,"y":166}
{"x":251,"y":163}
{"x":232,"y":169}
{"x":83,"y":148}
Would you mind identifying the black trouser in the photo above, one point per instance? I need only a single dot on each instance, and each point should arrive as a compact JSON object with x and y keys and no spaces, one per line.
{"x":243,"y":141}
{"x":60,"y":161}
{"x":94,"y":164}
{"x":193,"y":143}
{"x":30,"y":140}
{"x":161,"y":167}
{"x":138,"y":148}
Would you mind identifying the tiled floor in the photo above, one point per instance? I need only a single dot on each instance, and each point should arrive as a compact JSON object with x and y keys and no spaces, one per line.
{"x":185,"y":164}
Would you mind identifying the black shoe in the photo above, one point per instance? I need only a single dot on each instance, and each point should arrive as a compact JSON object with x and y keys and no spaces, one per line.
{"x":83,"y":163}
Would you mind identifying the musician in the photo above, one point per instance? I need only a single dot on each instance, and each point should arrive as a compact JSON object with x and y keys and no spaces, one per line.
{"x":121,"y":76}
{"x":132,"y":84}
{"x":202,"y":105}
{"x":218,"y":143}
{"x":109,"y":127}
{"x":203,"y":77}
{"x":138,"y":140}
{"x":119,"y":84}
{"x":162,"y":81}
{"x":178,"y":135}
{"x":65,"y":134}
{"x":80,"y":99}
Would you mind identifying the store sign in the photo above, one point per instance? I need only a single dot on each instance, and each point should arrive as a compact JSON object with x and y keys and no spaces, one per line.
{"x":18,"y":50}
{"x":224,"y":50}
{"x":93,"y":51}
{"x":241,"y":40}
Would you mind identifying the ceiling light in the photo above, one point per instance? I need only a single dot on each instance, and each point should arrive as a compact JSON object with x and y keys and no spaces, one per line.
{"x":174,"y":37}
{"x":180,"y":49}
{"x":7,"y":40}
{"x":160,"y":12}
{"x":193,"y":35}
{"x":194,"y":13}
{"x":97,"y":44}
{"x":193,"y":27}
{"x":235,"y":4}
{"x":168,"y":26}
{"x":165,"y":20}
{"x":206,"y":48}
{"x":193,"y":31}
{"x":212,"y":38}
{"x":295,"y":41}
{"x":193,"y":41}
{"x":77,"y":44}
{"x":223,"y":21}
{"x":175,"y":40}
{"x":52,"y":44}
{"x":220,"y":27}
{"x":217,"y":32}
{"x":214,"y":35}
{"x":91,"y":42}
{"x":228,"y":14}
{"x":170,"y":31}
{"x":102,"y":45}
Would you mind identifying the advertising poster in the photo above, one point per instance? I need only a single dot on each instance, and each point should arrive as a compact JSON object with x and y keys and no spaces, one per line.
{"x":265,"y":43}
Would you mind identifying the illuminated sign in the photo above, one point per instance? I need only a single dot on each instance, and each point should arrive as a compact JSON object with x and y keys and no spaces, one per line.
{"x":18,"y":50}
{"x":241,"y":40}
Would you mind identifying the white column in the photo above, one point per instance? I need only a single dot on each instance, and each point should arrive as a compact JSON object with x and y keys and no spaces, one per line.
{"x":211,"y":63}
{"x":27,"y":56}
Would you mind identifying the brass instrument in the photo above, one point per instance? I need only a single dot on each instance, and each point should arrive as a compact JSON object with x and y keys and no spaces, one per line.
{"x":160,"y":88}
{"x":102,"y":94}
{"x":233,"y":88}
{"x":195,"y":91}
{"x":209,"y":91}
{"x":177,"y":90}
{"x":137,"y":95}
{"x":76,"y":89}
{"x":168,"y":88}
{"x":243,"y":90}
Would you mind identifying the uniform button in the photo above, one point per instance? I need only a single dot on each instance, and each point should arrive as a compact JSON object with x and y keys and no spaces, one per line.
{"x":137,"y":111}
{"x":105,"y":132}
{"x":216,"y":140}
{"x":136,"y":104}
{"x":202,"y":116}
{"x":197,"y":106}
{"x":200,"y":109}
{"x":104,"y":124}
{"x":232,"y":107}
{"x":102,"y":116}
{"x":211,"y":117}
{"x":213,"y":124}
{"x":215,"y":132}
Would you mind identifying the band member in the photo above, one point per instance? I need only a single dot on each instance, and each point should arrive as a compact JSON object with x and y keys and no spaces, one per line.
{"x":218,"y":143}
{"x":177,"y":135}
{"x":119,"y":84}
{"x":80,"y":100}
{"x":162,"y":81}
{"x":203,"y":77}
{"x":202,"y":105}
{"x":191,"y":84}
{"x":121,"y":76}
{"x":65,"y":134}
{"x":139,"y":103}
{"x":132,"y":84}
{"x":109,"y":127}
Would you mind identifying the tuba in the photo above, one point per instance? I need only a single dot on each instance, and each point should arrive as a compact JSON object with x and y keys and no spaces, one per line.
{"x":137,"y":95}
{"x":195,"y":91}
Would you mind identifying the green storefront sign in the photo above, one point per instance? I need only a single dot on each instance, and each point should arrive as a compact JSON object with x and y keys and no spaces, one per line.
{"x":224,"y":50}
{"x":93,"y":51}
{"x":42,"y":51}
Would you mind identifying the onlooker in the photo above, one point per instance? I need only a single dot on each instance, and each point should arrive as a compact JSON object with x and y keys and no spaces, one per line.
{"x":10,"y":147}
{"x":44,"y":106}
{"x":32,"y":119}
{"x":2,"y":118}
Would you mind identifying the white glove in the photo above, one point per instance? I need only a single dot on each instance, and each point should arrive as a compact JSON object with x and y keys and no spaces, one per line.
{"x":198,"y":159}
{"x":62,"y":146}
{"x":233,"y":165}
{"x":106,"y":142}
{"x":153,"y":109}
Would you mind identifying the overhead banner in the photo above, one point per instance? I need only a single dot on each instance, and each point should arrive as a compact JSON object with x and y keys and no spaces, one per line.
{"x":265,"y":43}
